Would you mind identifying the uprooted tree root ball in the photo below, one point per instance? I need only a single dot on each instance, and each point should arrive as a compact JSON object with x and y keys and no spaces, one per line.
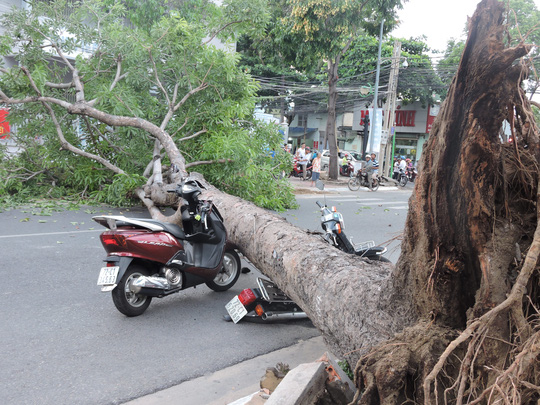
{"x":470,"y":252}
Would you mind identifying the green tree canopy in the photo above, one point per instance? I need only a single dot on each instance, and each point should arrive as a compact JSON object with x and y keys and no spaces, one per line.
{"x":522,"y":17}
{"x":417,"y":82}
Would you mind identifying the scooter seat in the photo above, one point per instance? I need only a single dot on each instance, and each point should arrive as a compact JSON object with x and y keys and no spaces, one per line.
{"x":173,"y":229}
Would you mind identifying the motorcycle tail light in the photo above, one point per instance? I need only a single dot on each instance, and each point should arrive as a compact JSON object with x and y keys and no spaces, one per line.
{"x":113,"y":240}
{"x":334,"y":209}
{"x":246,"y":297}
{"x":259,"y":310}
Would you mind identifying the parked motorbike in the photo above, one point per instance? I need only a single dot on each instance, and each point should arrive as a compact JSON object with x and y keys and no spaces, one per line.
{"x":333,"y":224}
{"x":148,"y":258}
{"x":411,"y":174}
{"x":361,"y":180}
{"x":347,"y":170}
{"x":298,"y":170}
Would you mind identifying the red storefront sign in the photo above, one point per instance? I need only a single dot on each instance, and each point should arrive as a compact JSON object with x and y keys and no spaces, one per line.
{"x":403,"y":118}
{"x":4,"y":125}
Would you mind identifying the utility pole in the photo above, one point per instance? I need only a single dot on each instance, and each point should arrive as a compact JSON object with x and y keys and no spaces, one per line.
{"x":374,"y":118}
{"x":390,"y":110}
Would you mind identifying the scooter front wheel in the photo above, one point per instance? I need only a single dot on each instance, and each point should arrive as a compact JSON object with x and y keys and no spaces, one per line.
{"x":354,"y":184}
{"x":403,"y":181}
{"x":228,"y":274}
{"x":125,"y":300}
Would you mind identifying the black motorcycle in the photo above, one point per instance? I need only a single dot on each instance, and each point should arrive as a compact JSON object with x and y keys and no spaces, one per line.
{"x":333,"y":224}
{"x":361,"y":180}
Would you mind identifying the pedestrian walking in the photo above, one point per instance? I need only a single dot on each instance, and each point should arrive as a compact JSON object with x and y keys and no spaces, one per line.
{"x":316,"y":168}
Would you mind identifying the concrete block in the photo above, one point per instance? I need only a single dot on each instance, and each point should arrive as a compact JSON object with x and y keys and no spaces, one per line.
{"x":301,"y":386}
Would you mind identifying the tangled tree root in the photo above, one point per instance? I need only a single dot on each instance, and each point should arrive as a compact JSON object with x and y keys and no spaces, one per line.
{"x":430,"y":364}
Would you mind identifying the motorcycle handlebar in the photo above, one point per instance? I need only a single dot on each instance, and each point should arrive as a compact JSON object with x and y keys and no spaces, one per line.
{"x":319,"y":204}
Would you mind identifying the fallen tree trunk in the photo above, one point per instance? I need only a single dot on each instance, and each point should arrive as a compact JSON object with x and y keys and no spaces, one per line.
{"x":349,"y":299}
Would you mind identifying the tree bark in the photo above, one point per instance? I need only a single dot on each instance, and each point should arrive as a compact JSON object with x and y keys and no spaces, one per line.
{"x":473,"y":205}
{"x":348,"y":298}
{"x":333,"y":170}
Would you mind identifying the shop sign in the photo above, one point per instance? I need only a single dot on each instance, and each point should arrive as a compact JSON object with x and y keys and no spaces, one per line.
{"x":403,"y":118}
{"x":4,"y":125}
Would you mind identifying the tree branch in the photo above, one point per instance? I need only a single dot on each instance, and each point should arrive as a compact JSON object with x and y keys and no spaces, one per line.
{"x":159,"y":84}
{"x":222,"y":29}
{"x":208,"y":162}
{"x":59,"y":85}
{"x":201,"y":87}
{"x":196,"y":134}
{"x":118,"y":76}
{"x":66,"y":145}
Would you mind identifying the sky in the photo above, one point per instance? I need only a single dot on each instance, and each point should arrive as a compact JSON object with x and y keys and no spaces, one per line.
{"x":439,"y":20}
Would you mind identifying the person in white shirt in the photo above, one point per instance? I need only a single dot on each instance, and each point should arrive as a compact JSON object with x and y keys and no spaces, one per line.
{"x":302,"y":157}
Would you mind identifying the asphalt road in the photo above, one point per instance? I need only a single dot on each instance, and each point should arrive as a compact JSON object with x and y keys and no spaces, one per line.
{"x":63,"y":342}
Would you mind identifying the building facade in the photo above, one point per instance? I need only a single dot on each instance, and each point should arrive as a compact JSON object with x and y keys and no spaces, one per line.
{"x":412,"y":124}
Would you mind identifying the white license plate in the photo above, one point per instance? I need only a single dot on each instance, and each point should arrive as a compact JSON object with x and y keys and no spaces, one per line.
{"x":107,"y":275}
{"x":236,"y":309}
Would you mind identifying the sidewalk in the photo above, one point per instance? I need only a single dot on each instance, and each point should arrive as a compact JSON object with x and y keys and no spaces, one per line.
{"x":331,"y":186}
{"x":232,"y":383}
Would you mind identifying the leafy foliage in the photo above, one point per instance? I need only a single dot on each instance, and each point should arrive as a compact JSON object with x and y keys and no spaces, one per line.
{"x":417,"y":82}
{"x":134,"y":59}
{"x":522,"y":18}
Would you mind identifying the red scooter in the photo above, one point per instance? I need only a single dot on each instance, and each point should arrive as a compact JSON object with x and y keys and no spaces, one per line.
{"x":148,"y":258}
{"x":346,"y":170}
{"x":298,"y":170}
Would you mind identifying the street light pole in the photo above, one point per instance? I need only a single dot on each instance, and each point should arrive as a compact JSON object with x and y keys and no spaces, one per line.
{"x":374,"y":118}
{"x":390,"y":109}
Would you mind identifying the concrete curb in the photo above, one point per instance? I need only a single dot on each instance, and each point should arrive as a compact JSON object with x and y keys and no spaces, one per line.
{"x":227,"y":385}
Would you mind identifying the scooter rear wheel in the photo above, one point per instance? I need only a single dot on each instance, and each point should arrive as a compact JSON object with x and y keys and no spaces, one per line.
{"x":374,"y":184}
{"x":126,"y":301}
{"x":229,"y":273}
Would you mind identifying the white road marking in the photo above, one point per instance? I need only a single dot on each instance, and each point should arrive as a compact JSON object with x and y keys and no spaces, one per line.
{"x":48,"y":233}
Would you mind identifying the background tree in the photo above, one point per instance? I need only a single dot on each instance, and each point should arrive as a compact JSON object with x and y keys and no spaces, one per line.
{"x":417,"y":82}
{"x":522,"y":17}
{"x":327,"y":29}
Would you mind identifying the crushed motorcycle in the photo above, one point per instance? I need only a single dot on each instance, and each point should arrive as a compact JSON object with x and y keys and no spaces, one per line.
{"x":267,"y":303}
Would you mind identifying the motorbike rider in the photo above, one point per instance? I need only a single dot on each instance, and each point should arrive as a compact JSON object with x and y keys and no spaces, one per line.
{"x":395,"y":175}
{"x":375,"y":165}
{"x":411,"y":172}
{"x":344,"y":165}
{"x":402,"y":165}
{"x":368,"y":169}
